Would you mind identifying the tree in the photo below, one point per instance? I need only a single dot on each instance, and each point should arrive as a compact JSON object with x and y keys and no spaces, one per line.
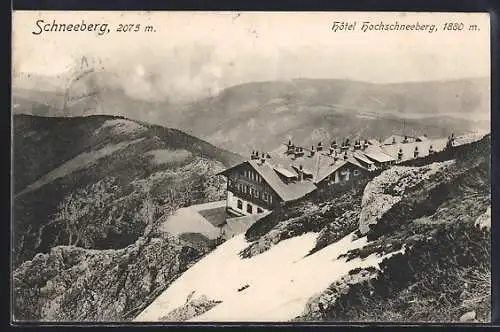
{"x":84,"y":214}
{"x":150,"y":214}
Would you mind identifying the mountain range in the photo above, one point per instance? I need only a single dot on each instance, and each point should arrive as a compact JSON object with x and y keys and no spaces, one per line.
{"x":261,"y":115}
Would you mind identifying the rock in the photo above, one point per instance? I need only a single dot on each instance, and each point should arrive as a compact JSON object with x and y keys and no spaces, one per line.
{"x":117,"y":283}
{"x":483,"y":222}
{"x":388,"y":188}
{"x":468,"y":317}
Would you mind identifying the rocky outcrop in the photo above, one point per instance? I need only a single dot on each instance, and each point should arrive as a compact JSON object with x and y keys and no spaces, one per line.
{"x":484,"y":220}
{"x":317,"y":307}
{"x":76,"y":284}
{"x":192,"y":308}
{"x":387,"y":189}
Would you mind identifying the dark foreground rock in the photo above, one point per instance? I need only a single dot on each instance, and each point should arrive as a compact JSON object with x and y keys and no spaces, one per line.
{"x":76,"y":284}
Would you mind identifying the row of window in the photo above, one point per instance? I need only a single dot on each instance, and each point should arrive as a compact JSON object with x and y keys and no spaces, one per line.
{"x":249,"y":207}
{"x":252,"y":175}
{"x":254,"y":192}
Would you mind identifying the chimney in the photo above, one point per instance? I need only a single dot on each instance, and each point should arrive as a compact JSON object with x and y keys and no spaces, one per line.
{"x":336,"y":156}
{"x":312,"y":151}
{"x":334,"y":144}
{"x":299,"y":151}
{"x":357,"y":145}
{"x":319,"y":147}
{"x":268,"y":156}
{"x":263,"y":158}
{"x":393,"y":140}
{"x":255,"y":155}
{"x":345,"y":156}
{"x":431,"y":150}
{"x":415,"y":153}
{"x":331,"y":150}
{"x":400,"y":154}
{"x":343,"y":147}
{"x":301,"y":173}
{"x":290,"y":147}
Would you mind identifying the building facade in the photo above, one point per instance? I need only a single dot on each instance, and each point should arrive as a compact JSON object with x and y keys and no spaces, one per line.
{"x":248,"y":192}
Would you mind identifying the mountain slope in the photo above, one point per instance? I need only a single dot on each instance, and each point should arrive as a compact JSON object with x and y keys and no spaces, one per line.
{"x":82,"y":180}
{"x":261,"y":115}
{"x":422,"y":259}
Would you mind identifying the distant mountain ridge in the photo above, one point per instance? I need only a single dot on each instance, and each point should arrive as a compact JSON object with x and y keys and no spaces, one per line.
{"x":260,"y":115}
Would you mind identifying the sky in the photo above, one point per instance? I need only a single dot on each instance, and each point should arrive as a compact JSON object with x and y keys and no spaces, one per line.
{"x":192,"y":54}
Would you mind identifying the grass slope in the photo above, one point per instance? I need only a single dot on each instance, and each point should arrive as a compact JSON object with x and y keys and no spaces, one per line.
{"x":112,"y":160}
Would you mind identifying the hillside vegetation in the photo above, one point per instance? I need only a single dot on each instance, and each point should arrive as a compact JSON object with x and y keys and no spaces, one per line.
{"x":89,"y":196}
{"x":444,"y":272}
{"x":82,"y":181}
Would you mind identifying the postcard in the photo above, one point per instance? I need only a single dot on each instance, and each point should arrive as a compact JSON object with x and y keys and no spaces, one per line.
{"x":252,"y":167}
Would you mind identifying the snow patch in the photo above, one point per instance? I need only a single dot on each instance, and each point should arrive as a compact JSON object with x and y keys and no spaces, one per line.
{"x":274,"y":286}
{"x":377,"y":201}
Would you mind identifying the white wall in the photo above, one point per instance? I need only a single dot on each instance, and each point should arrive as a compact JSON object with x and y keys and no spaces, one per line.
{"x":232,"y":202}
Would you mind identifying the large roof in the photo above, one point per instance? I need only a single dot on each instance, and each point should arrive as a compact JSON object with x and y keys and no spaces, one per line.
{"x":378,"y":154}
{"x":281,"y":169}
{"x":318,"y":166}
{"x":397,"y":139}
{"x":409,"y":148}
{"x":287,"y":191}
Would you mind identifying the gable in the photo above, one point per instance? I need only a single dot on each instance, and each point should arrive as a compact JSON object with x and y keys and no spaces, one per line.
{"x":285,"y":191}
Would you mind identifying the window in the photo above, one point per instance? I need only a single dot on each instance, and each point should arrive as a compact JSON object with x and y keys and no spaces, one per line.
{"x":270,"y":199}
{"x":229,"y":182}
{"x":264,"y":196}
{"x":356,"y":172}
{"x":240,"y":204}
{"x":249,"y":208}
{"x":259,"y":210}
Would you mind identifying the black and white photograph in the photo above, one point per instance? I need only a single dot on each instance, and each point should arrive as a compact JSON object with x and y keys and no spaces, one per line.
{"x":253,"y":167}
